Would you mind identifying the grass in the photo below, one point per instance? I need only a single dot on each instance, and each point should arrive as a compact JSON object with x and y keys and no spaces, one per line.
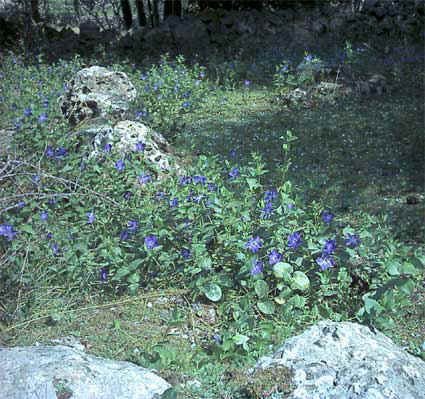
{"x":362,"y":158}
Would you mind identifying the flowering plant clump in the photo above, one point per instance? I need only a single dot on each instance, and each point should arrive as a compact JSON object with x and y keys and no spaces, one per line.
{"x":216,"y":231}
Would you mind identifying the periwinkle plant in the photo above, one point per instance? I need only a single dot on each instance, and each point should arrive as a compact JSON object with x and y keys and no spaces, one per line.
{"x":206,"y":231}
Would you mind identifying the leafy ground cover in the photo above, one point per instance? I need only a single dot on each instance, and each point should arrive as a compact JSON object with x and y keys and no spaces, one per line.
{"x":286,"y":212}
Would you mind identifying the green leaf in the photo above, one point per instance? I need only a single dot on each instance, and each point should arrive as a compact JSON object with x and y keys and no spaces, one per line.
{"x":252,"y":183}
{"x":297,"y":301}
{"x":408,"y":268}
{"x":266,"y":307}
{"x":27,"y":228}
{"x":134,"y":278}
{"x":240,"y":339}
{"x":205,"y":263}
{"x":213,"y":292}
{"x":371,"y":305}
{"x":408,"y":287}
{"x":392,"y":268}
{"x":133,"y":265}
{"x":123,"y":271}
{"x":261,"y":288}
{"x":282,"y":270}
{"x":300,"y":281}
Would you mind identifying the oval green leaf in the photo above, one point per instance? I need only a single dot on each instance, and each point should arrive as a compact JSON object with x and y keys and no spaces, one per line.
{"x":261,"y":288}
{"x":282,"y":270}
{"x":300,"y":281}
{"x":266,"y":307}
{"x":213,"y":292}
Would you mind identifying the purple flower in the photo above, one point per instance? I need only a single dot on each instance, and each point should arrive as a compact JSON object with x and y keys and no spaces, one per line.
{"x":199,"y":179}
{"x":174,"y":202}
{"x":329,"y":247}
{"x":28,"y":112}
{"x":234,"y":173}
{"x":352,"y":240}
{"x":151,"y":242}
{"x":49,"y":151}
{"x":45,"y":103}
{"x":128,"y":195}
{"x":119,"y":165}
{"x":294,"y":240}
{"x":124,"y":235}
{"x":55,"y":248}
{"x":212,"y":187}
{"x":270,"y":195}
{"x":233,"y":153}
{"x":42,"y":118}
{"x":49,"y":236}
{"x":274,"y":257}
{"x":108,"y":148}
{"x":198,"y":198}
{"x":185,"y":180}
{"x":36,"y":178}
{"x":308,"y":58}
{"x":90,"y":216}
{"x":254,"y":244}
{"x":160,"y":195}
{"x":21,"y":204}
{"x":290,"y":206}
{"x":185,"y":253}
{"x":186,"y":104}
{"x":103,"y":274}
{"x":143,"y":77}
{"x":258,"y":267}
{"x":44,"y":215}
{"x":133,"y":225}
{"x":217,"y":339}
{"x":144,"y":179}
{"x":268,"y":209}
{"x":60,"y":152}
{"x":247,"y":82}
{"x":325,"y":261}
{"x":6,"y":230}
{"x":140,"y":146}
{"x":327,"y":217}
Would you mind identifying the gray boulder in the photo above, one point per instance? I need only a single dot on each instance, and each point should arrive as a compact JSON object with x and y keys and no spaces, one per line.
{"x":52,"y":372}
{"x":94,"y":92}
{"x":347,"y":361}
{"x":123,"y":137}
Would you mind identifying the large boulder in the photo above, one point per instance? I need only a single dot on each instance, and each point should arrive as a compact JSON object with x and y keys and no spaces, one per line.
{"x":95,"y":92}
{"x":347,"y":361}
{"x":52,"y":372}
{"x":125,"y":138}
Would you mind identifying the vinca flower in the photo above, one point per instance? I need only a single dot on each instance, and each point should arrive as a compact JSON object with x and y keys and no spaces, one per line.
{"x":140,"y":146}
{"x":199,"y":179}
{"x":6,"y":230}
{"x":294,"y":240}
{"x":234,"y":173}
{"x":329,"y":247}
{"x":90,"y":216}
{"x":133,"y":225}
{"x":44,"y":215}
{"x":258,"y":267}
{"x":119,"y":165}
{"x":103,"y":274}
{"x":325,"y":261}
{"x":352,"y":240}
{"x":327,"y":217}
{"x":144,"y":179}
{"x":274,"y":257}
{"x":151,"y":242}
{"x":254,"y":244}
